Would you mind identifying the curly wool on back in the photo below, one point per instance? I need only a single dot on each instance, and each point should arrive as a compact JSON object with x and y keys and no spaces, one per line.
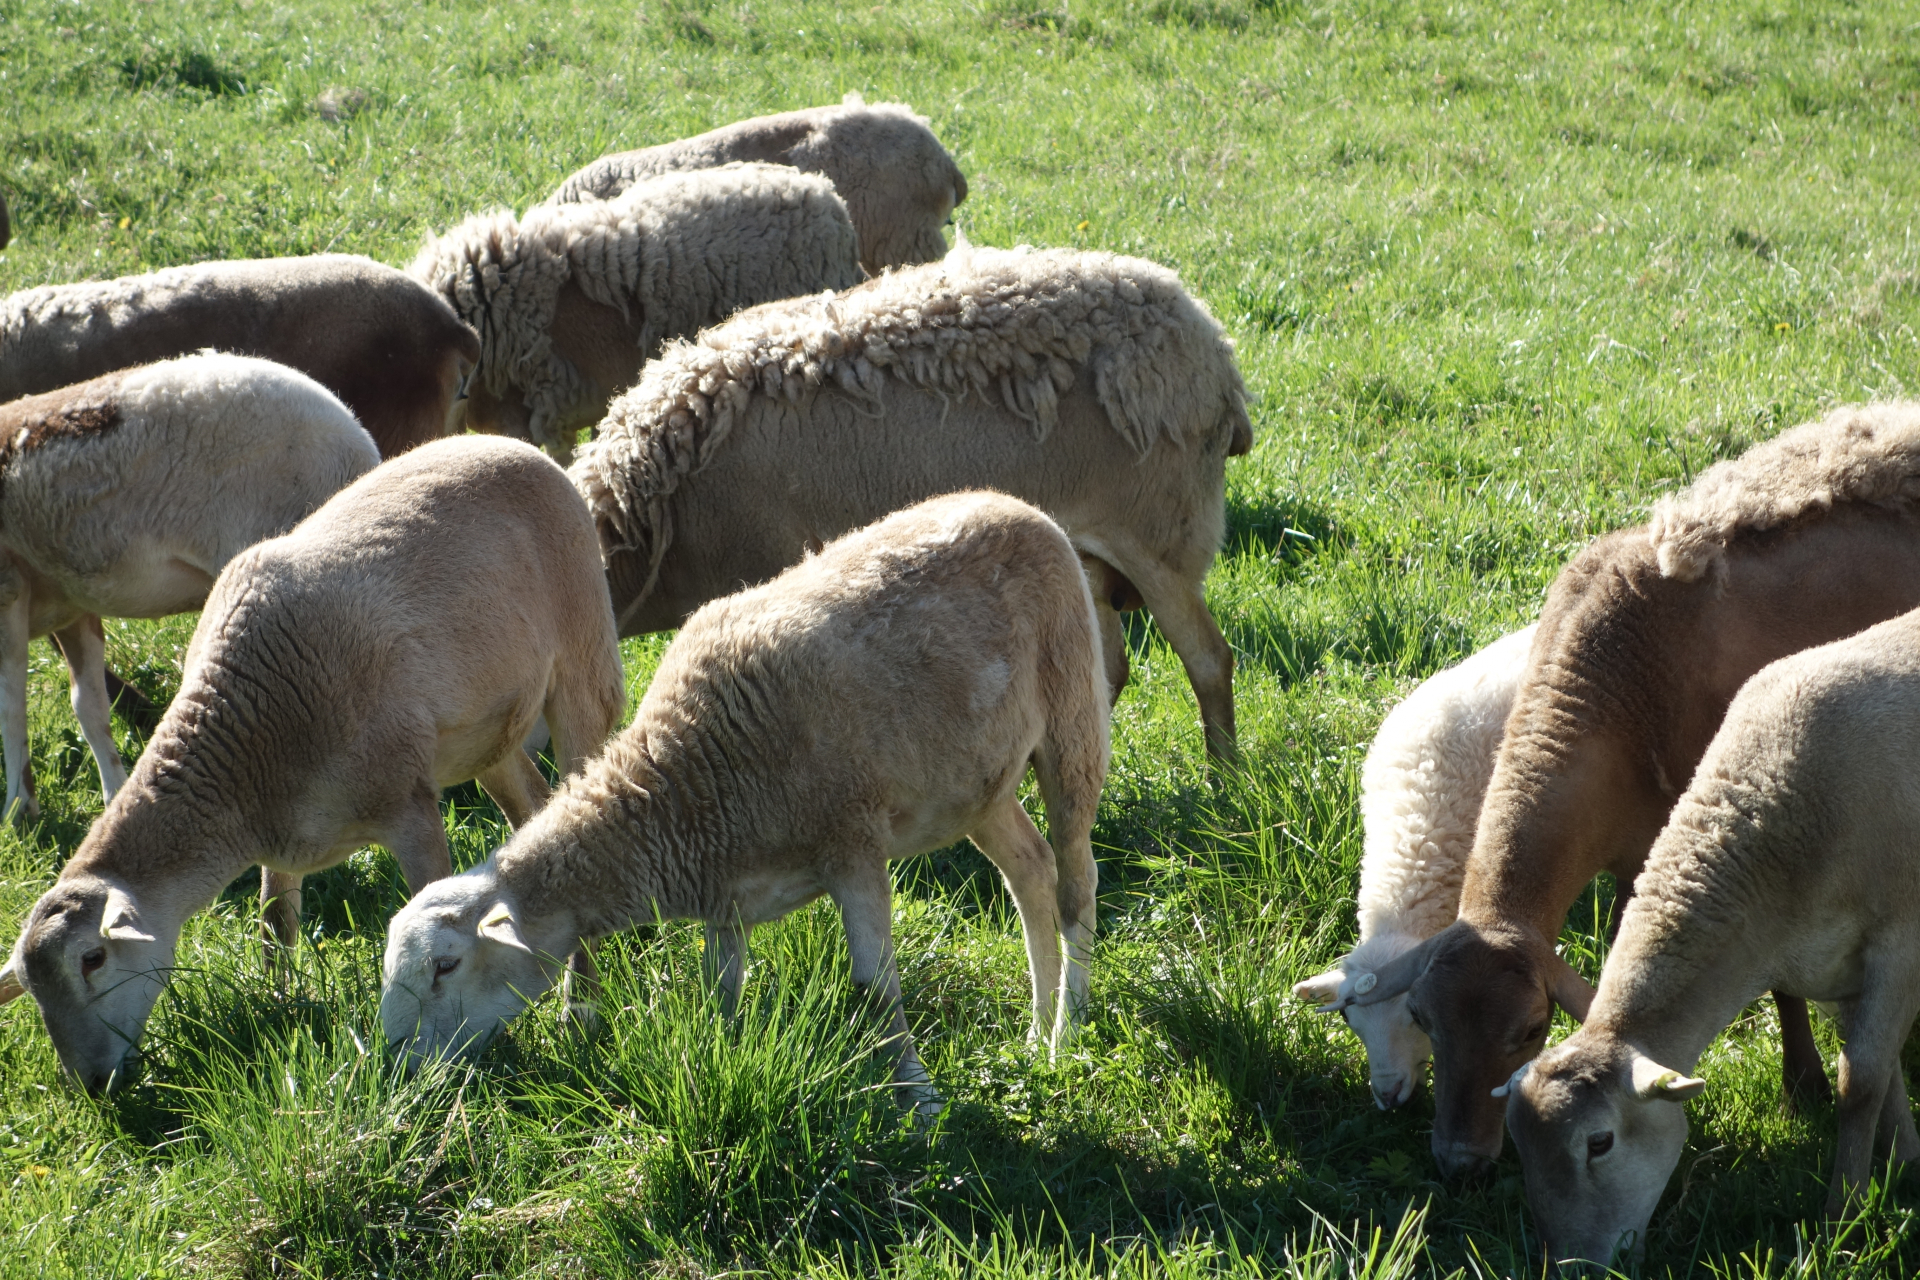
{"x":1011,"y":326}
{"x":674,"y":253}
{"x":1868,"y":453}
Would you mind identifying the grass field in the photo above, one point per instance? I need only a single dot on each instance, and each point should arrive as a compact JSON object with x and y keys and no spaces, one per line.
{"x":1500,"y":275}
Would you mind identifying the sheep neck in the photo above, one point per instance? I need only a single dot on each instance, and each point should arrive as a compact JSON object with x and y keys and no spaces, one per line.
{"x":638,"y":837}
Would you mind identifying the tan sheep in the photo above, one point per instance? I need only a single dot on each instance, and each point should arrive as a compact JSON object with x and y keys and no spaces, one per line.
{"x":1790,"y":864}
{"x":392,"y":351}
{"x":125,"y":496}
{"x":899,"y":183}
{"x":1644,"y":640}
{"x":403,"y":638}
{"x":1093,"y":386}
{"x":571,"y":300}
{"x":880,"y":700}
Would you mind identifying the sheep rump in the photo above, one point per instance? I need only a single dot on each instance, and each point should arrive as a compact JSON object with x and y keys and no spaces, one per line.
{"x":672,"y":255}
{"x":1861,"y":453}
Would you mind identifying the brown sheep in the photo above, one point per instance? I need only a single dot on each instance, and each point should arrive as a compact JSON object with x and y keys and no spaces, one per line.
{"x":1644,"y":640}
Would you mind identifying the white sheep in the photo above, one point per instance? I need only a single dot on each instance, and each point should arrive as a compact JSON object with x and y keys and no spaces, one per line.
{"x":1791,"y":863}
{"x":391,"y":350}
{"x":125,"y":496}
{"x":403,"y":638}
{"x":1420,"y":794}
{"x":571,"y":300}
{"x":899,"y":183}
{"x":880,"y":700}
{"x":1091,"y":385}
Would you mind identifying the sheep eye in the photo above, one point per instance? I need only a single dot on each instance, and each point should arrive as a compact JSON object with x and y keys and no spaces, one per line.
{"x":1419,"y":1020}
{"x":1598,"y":1144}
{"x":1538,"y":1031}
{"x":445,"y":965}
{"x":92,"y":960}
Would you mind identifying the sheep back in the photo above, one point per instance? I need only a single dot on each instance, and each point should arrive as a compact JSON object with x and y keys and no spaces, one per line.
{"x":205,"y":455}
{"x":1866,"y":453}
{"x":391,"y":350}
{"x":899,"y":183}
{"x":1011,"y":330}
{"x":672,"y":255}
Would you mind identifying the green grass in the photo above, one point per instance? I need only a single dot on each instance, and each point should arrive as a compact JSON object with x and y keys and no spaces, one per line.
{"x":1500,"y":275}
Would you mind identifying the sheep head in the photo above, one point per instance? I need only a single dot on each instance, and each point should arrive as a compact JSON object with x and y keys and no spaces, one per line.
{"x":95,"y":960}
{"x":1599,"y":1128}
{"x":1396,"y":1047}
{"x":459,"y":964}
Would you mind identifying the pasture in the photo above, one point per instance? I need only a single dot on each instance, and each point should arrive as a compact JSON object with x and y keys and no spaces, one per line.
{"x":1500,"y":275}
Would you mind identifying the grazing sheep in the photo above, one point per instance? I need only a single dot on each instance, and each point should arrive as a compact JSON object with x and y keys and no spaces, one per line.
{"x":1420,"y":794}
{"x":899,"y":183}
{"x":403,"y":638}
{"x":571,"y":300}
{"x":1792,"y":863}
{"x":124,"y":497}
{"x":880,"y":700}
{"x":1093,"y":386}
{"x":395,"y":353}
{"x":1644,"y":640}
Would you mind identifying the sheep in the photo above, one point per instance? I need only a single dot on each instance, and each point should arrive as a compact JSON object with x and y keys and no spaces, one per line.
{"x":1644,"y":640}
{"x":1790,"y":863}
{"x":573,"y":299}
{"x":125,"y":496}
{"x":403,"y":638}
{"x":1420,"y":794}
{"x":6,"y":224}
{"x":879,"y":700}
{"x":1091,"y":385}
{"x":899,"y":183}
{"x":394,"y":353}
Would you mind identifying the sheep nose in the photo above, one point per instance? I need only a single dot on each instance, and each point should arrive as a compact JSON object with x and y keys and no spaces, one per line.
{"x":1460,"y":1162}
{"x":1392,"y":1092}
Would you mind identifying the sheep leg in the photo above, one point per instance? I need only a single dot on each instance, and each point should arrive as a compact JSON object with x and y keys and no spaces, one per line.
{"x":1011,"y":843}
{"x":1894,"y":1135}
{"x":1803,"y":1073}
{"x":1113,"y":650}
{"x":866,"y":912}
{"x":1070,"y":767}
{"x":13,"y":709}
{"x":724,"y":962}
{"x":580,"y":989}
{"x":419,"y":840}
{"x":516,"y":784}
{"x":84,"y":646}
{"x":279,"y":913}
{"x":1181,"y":612}
{"x":1877,"y":1022}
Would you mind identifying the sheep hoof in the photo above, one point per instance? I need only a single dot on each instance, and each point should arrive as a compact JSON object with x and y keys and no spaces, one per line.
{"x":24,"y":811}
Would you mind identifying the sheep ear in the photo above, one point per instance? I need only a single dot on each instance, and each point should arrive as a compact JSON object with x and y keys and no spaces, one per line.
{"x":10,"y":988}
{"x":498,"y":926}
{"x":1395,"y":976}
{"x":1569,"y":990}
{"x":1513,"y":1082}
{"x":120,"y":921}
{"x":1651,"y":1081}
{"x":1322,"y":989}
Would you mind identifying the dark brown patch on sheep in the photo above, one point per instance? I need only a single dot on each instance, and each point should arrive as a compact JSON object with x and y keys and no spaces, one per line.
{"x":66,"y":422}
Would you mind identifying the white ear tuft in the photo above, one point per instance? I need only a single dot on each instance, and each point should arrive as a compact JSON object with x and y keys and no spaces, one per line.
{"x":1320,"y":988}
{"x":498,"y":926}
{"x":1513,"y":1082}
{"x":1651,"y":1081}
{"x":120,"y":921}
